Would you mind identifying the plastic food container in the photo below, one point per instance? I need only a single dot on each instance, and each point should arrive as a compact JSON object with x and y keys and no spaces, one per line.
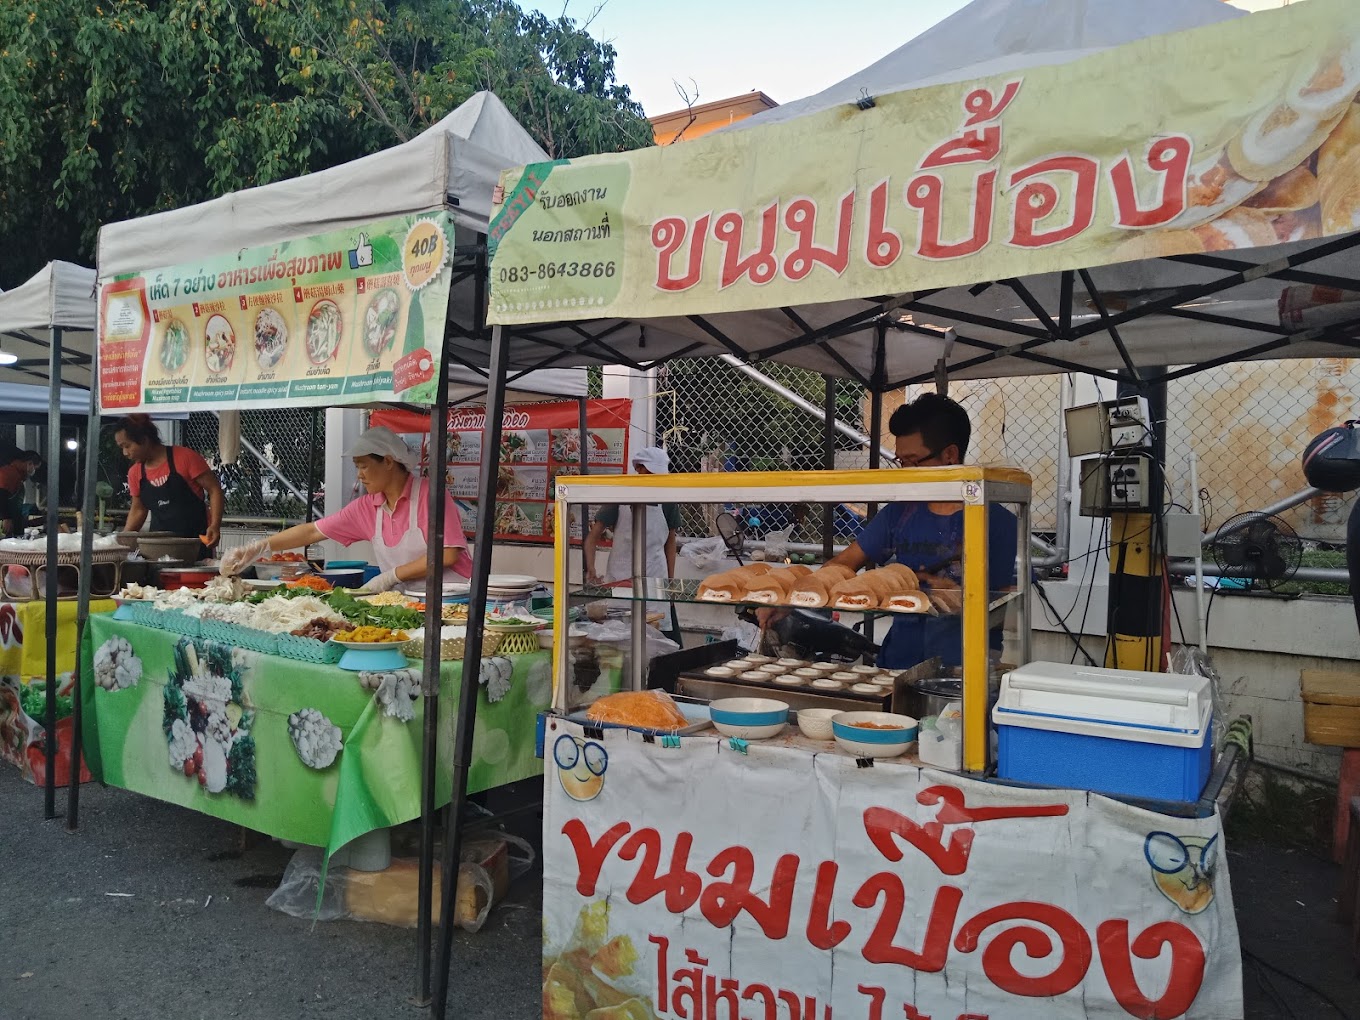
{"x":1106,"y":730}
{"x":271,"y":570}
{"x":348,"y":577}
{"x":173,"y":578}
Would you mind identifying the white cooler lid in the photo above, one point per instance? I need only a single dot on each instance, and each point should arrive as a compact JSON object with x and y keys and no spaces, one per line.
{"x":1150,"y":708}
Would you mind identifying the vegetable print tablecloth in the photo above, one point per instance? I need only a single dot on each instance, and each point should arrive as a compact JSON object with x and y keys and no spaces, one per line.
{"x":23,"y":660}
{"x":296,"y":750}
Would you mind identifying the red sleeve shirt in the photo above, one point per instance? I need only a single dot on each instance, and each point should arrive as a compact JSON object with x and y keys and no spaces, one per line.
{"x":187,"y":463}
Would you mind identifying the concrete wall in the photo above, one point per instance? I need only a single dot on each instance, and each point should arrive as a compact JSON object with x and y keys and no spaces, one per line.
{"x":1258,"y":645}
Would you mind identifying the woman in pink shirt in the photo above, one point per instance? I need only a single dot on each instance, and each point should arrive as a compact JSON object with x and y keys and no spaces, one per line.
{"x":393,"y":515}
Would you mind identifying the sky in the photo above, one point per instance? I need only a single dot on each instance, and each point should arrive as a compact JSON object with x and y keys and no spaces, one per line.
{"x":785,"y":48}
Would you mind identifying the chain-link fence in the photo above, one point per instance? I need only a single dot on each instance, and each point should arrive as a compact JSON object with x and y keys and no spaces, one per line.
{"x":282,"y":458}
{"x":1247,"y":423}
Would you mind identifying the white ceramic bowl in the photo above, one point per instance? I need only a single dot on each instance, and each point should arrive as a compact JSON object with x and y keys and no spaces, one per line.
{"x":816,"y":722}
{"x":878,"y":742}
{"x":749,"y":718}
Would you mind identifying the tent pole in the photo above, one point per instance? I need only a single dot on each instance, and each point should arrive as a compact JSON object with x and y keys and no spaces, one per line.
{"x":434,"y":621}
{"x":829,"y":462}
{"x":311,"y":468}
{"x":582,"y":451}
{"x":50,"y":608}
{"x":83,"y":601}
{"x":472,"y":658}
{"x":879,"y":379}
{"x":434,"y":608}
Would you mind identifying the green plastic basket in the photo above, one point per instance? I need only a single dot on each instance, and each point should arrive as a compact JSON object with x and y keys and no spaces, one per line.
{"x":241,"y":637}
{"x":179,"y":623}
{"x":309,"y":649}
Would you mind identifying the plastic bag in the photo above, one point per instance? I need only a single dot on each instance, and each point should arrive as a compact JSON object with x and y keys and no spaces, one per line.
{"x":1190,"y":661}
{"x":620,"y":632}
{"x":705,"y":554}
{"x":746,"y":635}
{"x":490,"y":863}
{"x":777,"y":545}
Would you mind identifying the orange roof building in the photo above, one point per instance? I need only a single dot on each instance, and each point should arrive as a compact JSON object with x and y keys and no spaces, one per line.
{"x":700,"y":120}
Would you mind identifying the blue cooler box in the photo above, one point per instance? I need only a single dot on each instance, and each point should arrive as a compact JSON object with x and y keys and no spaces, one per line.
{"x":1107,"y":730}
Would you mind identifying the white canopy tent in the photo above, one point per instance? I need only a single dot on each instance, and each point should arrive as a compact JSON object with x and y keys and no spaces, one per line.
{"x":1195,"y":310}
{"x":61,"y":297}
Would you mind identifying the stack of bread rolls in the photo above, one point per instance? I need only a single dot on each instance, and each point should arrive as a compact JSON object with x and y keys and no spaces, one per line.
{"x":894,"y":588}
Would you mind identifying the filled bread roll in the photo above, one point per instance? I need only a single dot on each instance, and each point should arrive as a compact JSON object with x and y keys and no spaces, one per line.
{"x":724,"y":587}
{"x":772,"y":589}
{"x":908,"y":602}
{"x":813,"y":591}
{"x":908,"y":580}
{"x":863,"y":592}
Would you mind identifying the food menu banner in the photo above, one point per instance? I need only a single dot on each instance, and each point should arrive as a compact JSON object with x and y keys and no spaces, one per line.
{"x":352,"y":316}
{"x":715,"y":878}
{"x":1235,"y":135}
{"x":539,"y":442}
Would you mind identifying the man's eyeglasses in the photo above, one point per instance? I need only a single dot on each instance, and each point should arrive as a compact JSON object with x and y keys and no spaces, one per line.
{"x":918,"y":460}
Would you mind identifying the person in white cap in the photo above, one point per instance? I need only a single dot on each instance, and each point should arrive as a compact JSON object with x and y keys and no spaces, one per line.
{"x":663,"y":523}
{"x":393,"y":515}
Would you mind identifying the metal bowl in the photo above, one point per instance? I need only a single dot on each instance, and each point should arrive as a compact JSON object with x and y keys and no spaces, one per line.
{"x":129,"y":539}
{"x":184,"y":550}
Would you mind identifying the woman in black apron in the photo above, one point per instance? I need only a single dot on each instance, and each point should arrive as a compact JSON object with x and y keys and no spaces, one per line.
{"x":170,"y":499}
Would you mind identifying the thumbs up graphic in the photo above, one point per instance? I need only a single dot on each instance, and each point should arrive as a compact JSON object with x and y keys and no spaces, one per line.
{"x":361,"y":255}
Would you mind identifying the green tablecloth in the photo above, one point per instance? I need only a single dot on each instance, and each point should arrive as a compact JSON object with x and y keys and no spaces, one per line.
{"x":152,"y":696}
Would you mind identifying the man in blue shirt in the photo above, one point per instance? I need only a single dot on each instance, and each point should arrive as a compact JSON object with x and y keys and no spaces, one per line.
{"x":932,"y":431}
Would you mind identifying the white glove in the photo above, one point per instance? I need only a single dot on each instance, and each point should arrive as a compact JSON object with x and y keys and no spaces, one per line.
{"x":238,"y":559}
{"x":385,"y":581}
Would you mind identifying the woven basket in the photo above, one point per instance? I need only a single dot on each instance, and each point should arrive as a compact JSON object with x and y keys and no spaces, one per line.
{"x":309,"y":649}
{"x":64,"y":559}
{"x":450,"y":649}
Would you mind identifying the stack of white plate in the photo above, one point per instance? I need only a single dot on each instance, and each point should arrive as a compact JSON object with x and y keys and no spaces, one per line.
{"x":510,"y":587}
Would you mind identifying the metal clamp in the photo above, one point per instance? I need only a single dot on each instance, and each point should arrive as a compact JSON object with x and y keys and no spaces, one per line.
{"x":737,"y":744}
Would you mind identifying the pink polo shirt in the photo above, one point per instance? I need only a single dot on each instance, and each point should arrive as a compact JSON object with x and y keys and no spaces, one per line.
{"x":356,"y":522}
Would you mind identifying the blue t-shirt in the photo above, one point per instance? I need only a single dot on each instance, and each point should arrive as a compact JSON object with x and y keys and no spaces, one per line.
{"x":910,"y":534}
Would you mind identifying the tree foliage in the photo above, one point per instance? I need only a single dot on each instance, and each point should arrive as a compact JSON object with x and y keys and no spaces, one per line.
{"x":111,"y":109}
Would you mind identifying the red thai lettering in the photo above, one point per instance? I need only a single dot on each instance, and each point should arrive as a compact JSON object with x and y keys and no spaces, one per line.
{"x":680,"y":886}
{"x":663,"y":971}
{"x":800,"y":216}
{"x":1169,"y":158}
{"x":925,"y":192}
{"x":954,"y":810}
{"x":722,"y":902}
{"x":808,"y":1004}
{"x":724,"y":990}
{"x":1187,"y":967}
{"x":912,"y":1013}
{"x":882,"y":244}
{"x":823,"y":932}
{"x":882,"y":824}
{"x":1038,"y":200}
{"x":668,"y":237}
{"x":590,"y":857}
{"x":877,"y":996}
{"x":979,"y":145}
{"x":766,"y":994}
{"x":687,"y":1001}
{"x":981,"y":105}
{"x":1037,"y":943}
{"x":761,"y":265}
{"x":880,"y":946}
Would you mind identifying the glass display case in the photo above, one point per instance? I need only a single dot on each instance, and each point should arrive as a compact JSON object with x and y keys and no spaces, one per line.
{"x":605,"y":635}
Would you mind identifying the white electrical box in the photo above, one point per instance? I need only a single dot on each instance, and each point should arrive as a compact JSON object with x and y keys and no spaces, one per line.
{"x":1115,"y":483}
{"x":1130,"y":423}
{"x":1108,"y":426}
{"x":1182,"y":534}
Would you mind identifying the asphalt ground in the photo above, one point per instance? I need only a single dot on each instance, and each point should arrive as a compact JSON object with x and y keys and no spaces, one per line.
{"x":153,"y":912}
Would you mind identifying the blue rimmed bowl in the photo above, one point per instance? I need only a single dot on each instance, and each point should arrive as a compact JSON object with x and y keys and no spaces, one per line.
{"x":874,"y":734}
{"x":749,"y":718}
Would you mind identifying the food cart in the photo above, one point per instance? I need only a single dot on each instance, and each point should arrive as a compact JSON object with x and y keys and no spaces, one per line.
{"x":895,"y":237}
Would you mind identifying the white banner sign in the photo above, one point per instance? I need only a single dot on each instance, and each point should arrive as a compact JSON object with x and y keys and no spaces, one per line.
{"x":703,"y":882}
